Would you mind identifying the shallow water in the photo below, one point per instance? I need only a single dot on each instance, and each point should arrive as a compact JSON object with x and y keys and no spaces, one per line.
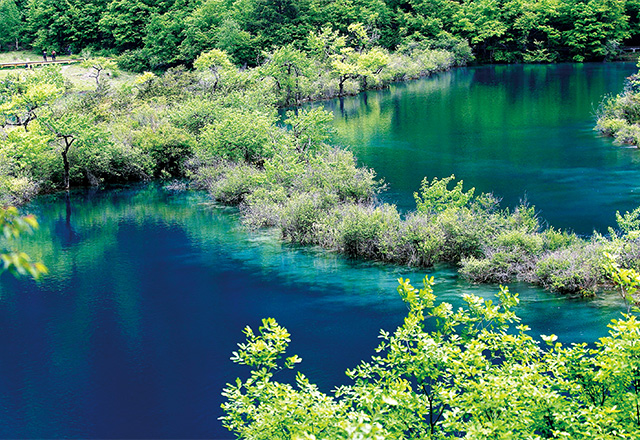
{"x":130,"y":336}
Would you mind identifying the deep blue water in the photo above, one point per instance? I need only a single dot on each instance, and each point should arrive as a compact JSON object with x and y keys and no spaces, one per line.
{"x":130,"y":336}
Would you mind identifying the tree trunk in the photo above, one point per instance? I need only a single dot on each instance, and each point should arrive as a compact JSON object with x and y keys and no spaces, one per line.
{"x":65,"y":161}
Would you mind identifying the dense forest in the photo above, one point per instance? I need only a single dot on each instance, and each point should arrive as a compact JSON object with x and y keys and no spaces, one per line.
{"x":157,"y":34}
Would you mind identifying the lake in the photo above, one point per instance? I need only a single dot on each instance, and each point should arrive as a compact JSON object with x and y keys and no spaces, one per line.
{"x":130,"y":336}
{"x":521,"y":132}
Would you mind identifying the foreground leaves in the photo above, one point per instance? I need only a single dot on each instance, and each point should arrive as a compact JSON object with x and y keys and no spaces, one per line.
{"x":445,"y":373}
{"x":12,"y":225}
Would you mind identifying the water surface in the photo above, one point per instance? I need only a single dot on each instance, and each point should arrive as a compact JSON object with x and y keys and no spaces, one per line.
{"x":130,"y":336}
{"x":521,"y":132}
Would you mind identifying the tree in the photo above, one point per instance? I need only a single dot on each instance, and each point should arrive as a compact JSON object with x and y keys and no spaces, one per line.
{"x":586,"y":27}
{"x":310,"y":128}
{"x":99,"y":65}
{"x":344,"y":66}
{"x":481,"y":22}
{"x":70,"y":129}
{"x":273,"y":22}
{"x":58,"y":24}
{"x":11,"y":26}
{"x":215,"y":62}
{"x":201,"y":27}
{"x":23,"y":94}
{"x":238,"y":135}
{"x":243,"y":47}
{"x":162,"y":38}
{"x":124,"y":21}
{"x":370,"y":65}
{"x":290,"y":68}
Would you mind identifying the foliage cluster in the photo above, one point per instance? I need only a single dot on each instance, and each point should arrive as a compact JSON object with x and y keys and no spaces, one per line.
{"x":154,"y":126}
{"x":619,"y":116}
{"x":12,"y":225}
{"x":474,"y":373}
{"x":326,"y":200}
{"x":155,"y":34}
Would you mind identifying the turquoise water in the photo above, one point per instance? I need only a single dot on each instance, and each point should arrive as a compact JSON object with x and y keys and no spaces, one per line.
{"x":130,"y":336}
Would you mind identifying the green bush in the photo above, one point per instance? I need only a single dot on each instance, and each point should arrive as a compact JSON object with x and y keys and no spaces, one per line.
{"x":238,"y":135}
{"x":300,"y":218}
{"x":471,"y":372}
{"x":422,"y":241}
{"x":554,"y":239}
{"x":133,"y":61}
{"x":194,"y":114}
{"x":227,"y":182}
{"x":577,"y":269}
{"x":16,"y":190}
{"x":28,"y":154}
{"x":168,"y":147}
{"x":363,"y":230}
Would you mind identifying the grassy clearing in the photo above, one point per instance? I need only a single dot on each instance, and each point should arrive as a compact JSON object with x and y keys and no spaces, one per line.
{"x":23,"y":55}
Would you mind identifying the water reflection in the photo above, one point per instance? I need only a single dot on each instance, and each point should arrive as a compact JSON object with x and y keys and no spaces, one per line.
{"x":517,"y":131}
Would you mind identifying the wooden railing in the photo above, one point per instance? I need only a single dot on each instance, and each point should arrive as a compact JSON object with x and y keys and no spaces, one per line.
{"x":28,"y":64}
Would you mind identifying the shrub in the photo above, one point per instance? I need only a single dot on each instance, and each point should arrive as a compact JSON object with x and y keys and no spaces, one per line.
{"x":300,"y":218}
{"x":577,"y":269}
{"x":435,"y":196}
{"x":511,"y":255}
{"x":16,"y":190}
{"x":227,"y":182}
{"x":133,"y":61}
{"x":238,"y":135}
{"x":422,"y":241}
{"x":363,"y":230}
{"x":554,"y":239}
{"x":194,"y":115}
{"x":335,"y":170}
{"x":168,"y":147}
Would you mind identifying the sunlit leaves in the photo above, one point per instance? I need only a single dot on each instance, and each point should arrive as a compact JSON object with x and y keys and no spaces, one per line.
{"x":435,"y":196}
{"x":472,"y":376}
{"x":23,"y":94}
{"x":310,"y":128}
{"x":12,"y":225}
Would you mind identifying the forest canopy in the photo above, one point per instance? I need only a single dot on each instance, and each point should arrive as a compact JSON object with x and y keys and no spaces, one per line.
{"x":157,"y":34}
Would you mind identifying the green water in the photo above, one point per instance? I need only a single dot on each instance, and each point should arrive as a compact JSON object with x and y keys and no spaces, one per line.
{"x":521,"y":132}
